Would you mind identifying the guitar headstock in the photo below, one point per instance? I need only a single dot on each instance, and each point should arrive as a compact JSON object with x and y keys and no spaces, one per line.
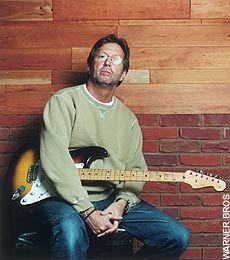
{"x":199,"y":179}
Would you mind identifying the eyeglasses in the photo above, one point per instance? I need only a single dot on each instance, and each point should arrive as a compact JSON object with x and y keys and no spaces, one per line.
{"x":103,"y":56}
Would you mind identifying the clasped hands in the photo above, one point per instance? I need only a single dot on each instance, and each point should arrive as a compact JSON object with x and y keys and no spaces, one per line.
{"x":106,"y":221}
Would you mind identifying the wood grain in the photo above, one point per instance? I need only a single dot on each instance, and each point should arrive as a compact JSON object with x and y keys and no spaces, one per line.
{"x":78,"y":77}
{"x":174,"y":35}
{"x":32,"y":101}
{"x":27,"y":10}
{"x":120,"y":9}
{"x":176,"y":98}
{"x":214,"y":21}
{"x":137,"y":77}
{"x":210,"y":9}
{"x":141,"y":98}
{"x":69,"y":77}
{"x":79,"y":58}
{"x":180,"y":58}
{"x":14,"y":59}
{"x":50,"y":35}
{"x":161,"y":22}
{"x":2,"y":98}
{"x":25,"y":77}
{"x":190,"y":76}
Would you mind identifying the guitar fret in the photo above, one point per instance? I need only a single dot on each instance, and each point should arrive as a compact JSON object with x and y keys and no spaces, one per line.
{"x":133,"y":175}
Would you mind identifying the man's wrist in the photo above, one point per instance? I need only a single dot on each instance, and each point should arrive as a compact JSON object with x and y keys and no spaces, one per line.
{"x":123,"y":203}
{"x":85,"y":214}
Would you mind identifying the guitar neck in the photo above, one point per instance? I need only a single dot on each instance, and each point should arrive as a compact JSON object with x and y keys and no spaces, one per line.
{"x":120,"y":175}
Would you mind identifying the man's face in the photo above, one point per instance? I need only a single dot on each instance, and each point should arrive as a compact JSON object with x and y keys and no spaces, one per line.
{"x":107,"y":69}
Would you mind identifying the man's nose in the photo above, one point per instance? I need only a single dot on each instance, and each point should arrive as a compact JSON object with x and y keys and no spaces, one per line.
{"x":108,"y":61}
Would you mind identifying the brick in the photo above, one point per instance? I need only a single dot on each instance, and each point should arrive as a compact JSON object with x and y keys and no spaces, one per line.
{"x":213,"y":253}
{"x":194,"y":226}
{"x":26,"y":133}
{"x":158,"y":133}
{"x":179,"y":120}
{"x":201,"y":159}
{"x":35,"y":120}
{"x":161,"y":160}
{"x":216,"y":147}
{"x":161,"y":187}
{"x":212,"y":226}
{"x":4,"y":133}
{"x":13,"y":120}
{"x":205,"y":240}
{"x":216,"y":120}
{"x":150,"y":146}
{"x":200,"y":133}
{"x":192,"y":253}
{"x":201,"y":213}
{"x":147,"y":120}
{"x":179,"y":146}
{"x":173,"y":212}
{"x":181,"y":200}
{"x":9,"y":147}
{"x":150,"y":198}
{"x":227,"y":133}
{"x":212,"y":199}
{"x":3,"y":171}
{"x":226,"y":159}
{"x":4,"y":159}
{"x":221,"y":172}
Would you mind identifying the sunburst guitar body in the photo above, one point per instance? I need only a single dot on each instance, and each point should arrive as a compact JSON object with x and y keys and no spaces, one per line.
{"x":29,"y":186}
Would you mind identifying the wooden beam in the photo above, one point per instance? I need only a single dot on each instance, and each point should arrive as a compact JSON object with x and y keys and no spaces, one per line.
{"x":25,"y":77}
{"x":2,"y":98}
{"x":176,"y":98}
{"x":33,"y":101}
{"x":120,"y":9}
{"x":50,"y":35}
{"x":44,"y":59}
{"x":174,"y":35}
{"x":161,"y":22}
{"x":27,"y":10}
{"x":203,"y":57}
{"x":210,"y":9}
{"x":190,"y":76}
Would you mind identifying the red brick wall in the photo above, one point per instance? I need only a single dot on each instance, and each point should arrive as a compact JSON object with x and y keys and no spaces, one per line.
{"x":180,"y":65}
{"x":180,"y":142}
{"x":171,"y":143}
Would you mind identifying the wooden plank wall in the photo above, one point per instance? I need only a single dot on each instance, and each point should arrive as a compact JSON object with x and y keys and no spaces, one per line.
{"x":178,"y":85}
{"x":180,"y":52}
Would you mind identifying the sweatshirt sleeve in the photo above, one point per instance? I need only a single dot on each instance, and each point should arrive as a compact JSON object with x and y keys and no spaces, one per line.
{"x":56,"y":162}
{"x":135,"y":160}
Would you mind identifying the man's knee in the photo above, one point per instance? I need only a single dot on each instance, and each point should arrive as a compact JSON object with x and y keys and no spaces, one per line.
{"x":70,"y":238}
{"x":181,"y":235}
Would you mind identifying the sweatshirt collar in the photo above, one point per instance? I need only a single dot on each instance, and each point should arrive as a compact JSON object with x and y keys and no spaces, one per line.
{"x":97,"y":102}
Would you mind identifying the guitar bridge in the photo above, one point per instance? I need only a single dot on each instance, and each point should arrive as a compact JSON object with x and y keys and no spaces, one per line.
{"x":32,"y":172}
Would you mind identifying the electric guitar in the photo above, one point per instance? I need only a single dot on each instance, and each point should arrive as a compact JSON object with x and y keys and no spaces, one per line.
{"x":29,"y":186}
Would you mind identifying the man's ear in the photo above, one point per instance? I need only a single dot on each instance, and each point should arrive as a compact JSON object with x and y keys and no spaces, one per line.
{"x":88,"y":70}
{"x":123,"y":75}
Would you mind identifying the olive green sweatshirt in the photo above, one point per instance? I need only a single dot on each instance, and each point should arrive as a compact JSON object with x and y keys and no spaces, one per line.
{"x":73,"y":118}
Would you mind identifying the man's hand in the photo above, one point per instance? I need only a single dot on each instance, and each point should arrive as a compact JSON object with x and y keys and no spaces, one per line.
{"x":106,"y":221}
{"x":115,"y":212}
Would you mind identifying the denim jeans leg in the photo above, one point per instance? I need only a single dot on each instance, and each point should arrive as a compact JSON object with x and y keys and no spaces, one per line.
{"x":63,"y":229}
{"x":164,"y":237}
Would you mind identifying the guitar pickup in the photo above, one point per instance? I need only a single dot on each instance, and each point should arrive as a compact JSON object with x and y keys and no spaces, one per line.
{"x":32,"y":173}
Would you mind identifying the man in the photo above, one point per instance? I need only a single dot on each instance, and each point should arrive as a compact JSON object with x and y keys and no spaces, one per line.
{"x":90,"y":115}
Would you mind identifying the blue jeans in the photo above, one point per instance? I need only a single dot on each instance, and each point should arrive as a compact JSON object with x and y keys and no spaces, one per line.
{"x":67,"y":235}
